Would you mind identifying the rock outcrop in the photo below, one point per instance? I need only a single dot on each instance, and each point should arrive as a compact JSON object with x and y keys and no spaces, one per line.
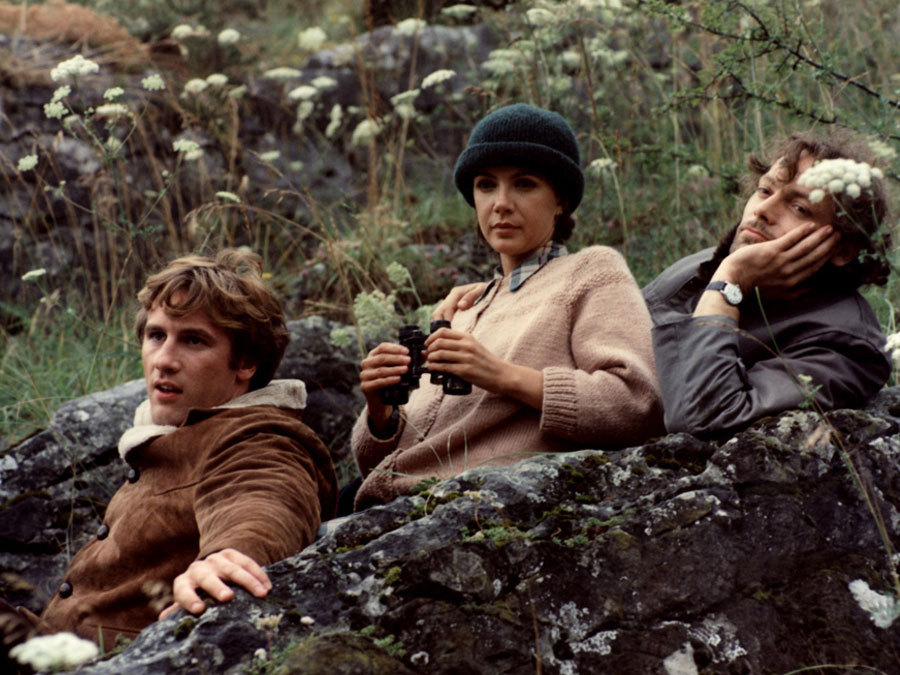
{"x":766,"y":553}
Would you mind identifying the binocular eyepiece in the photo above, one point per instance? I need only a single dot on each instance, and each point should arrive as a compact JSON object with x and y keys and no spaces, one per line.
{"x":414,"y":340}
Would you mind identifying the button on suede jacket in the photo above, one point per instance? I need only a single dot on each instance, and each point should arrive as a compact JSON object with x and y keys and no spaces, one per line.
{"x":249,"y":476}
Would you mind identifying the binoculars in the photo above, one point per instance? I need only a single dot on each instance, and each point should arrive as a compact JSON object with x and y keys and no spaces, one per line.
{"x":414,"y":340}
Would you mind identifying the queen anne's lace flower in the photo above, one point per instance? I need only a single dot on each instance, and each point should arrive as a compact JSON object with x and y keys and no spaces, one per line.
{"x":54,"y":110}
{"x":364,"y":132}
{"x":112,"y":110}
{"x":153,"y":83}
{"x":77,"y":65}
{"x":270,"y":155}
{"x":405,"y":97}
{"x":334,"y":120}
{"x":27,"y":163}
{"x":460,"y":11}
{"x":54,"y":652}
{"x":182,"y":31}
{"x":184,"y":145}
{"x":311,"y":38}
{"x":282,"y":73}
{"x":61,"y":93}
{"x":406,"y":111}
{"x":217,"y":80}
{"x":539,"y":16}
{"x":838,"y":176}
{"x":437,"y":77}
{"x":410,"y":26}
{"x":113,"y":93}
{"x":324,"y":82}
{"x":228,"y":36}
{"x":302,"y":93}
{"x":598,"y":166}
{"x":397,"y":274}
{"x":195,"y":86}
{"x":34,"y":275}
{"x":228,"y":196}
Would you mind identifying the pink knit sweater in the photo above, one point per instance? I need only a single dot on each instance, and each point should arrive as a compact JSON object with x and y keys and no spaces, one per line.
{"x":580,"y":320}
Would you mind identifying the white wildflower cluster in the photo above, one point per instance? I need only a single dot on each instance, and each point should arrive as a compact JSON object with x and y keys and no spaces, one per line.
{"x":405,"y":97}
{"x":229,"y":36}
{"x":112,"y":111}
{"x":882,"y":150}
{"x":598,"y":166}
{"x":61,"y":651}
{"x":837,"y":176}
{"x":410,"y":26}
{"x":609,"y":57}
{"x":323,"y":82}
{"x":217,"y":80}
{"x":311,"y":39}
{"x":113,"y":93}
{"x":77,"y":65}
{"x":194,"y":86}
{"x":335,"y":117}
{"x":61,"y":93}
{"x":502,"y":61}
{"x":190,"y":149}
{"x":403,"y":103}
{"x":893,"y":346}
{"x":405,"y":111}
{"x":302,"y":93}
{"x":270,"y":155}
{"x":54,"y":110}
{"x":697,"y":172}
{"x":375,"y":315}
{"x":34,"y":275}
{"x":27,"y":163}
{"x":282,"y":73}
{"x":226,"y":196}
{"x":570,"y":59}
{"x":437,"y":77}
{"x":113,"y":146}
{"x":538,"y":16}
{"x":341,"y":336}
{"x":364,"y":132}
{"x":460,"y":12}
{"x":184,"y":31}
{"x":304,"y":110}
{"x":153,"y":83}
{"x":397,"y":274}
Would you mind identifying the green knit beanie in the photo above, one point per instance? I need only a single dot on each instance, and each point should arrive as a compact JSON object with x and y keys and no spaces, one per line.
{"x":522,"y":135}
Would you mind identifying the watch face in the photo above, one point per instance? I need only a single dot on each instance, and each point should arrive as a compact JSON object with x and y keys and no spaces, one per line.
{"x":733,"y":294}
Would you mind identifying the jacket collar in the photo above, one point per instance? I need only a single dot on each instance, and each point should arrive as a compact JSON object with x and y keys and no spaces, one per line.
{"x":279,"y":393}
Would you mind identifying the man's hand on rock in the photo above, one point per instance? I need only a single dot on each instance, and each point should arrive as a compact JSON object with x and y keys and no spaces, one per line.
{"x":210,"y":574}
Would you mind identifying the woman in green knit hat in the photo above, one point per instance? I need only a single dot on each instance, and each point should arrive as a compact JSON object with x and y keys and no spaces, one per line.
{"x":557,"y":348}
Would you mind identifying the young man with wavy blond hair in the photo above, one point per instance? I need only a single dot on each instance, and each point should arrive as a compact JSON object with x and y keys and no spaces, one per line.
{"x":224,"y":476}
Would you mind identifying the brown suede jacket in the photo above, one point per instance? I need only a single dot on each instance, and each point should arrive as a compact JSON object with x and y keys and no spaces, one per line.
{"x":249,"y":476}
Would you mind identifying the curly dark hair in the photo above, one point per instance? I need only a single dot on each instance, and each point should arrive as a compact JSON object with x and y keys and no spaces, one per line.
{"x":231,"y":291}
{"x":861,"y":220}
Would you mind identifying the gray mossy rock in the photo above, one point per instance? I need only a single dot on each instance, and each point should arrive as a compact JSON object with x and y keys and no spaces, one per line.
{"x":679,"y":556}
{"x":55,"y":485}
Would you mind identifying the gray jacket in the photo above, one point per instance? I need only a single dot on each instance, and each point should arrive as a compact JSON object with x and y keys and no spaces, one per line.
{"x":717,"y":376}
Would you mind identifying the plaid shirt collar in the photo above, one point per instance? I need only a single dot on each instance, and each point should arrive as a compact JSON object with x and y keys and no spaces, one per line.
{"x":527,"y":269}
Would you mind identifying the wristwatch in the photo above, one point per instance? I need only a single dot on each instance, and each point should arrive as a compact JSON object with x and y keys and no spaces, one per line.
{"x":732,"y":292}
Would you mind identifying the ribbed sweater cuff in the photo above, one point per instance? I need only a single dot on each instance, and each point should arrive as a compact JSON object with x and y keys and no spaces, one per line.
{"x":559,"y":415}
